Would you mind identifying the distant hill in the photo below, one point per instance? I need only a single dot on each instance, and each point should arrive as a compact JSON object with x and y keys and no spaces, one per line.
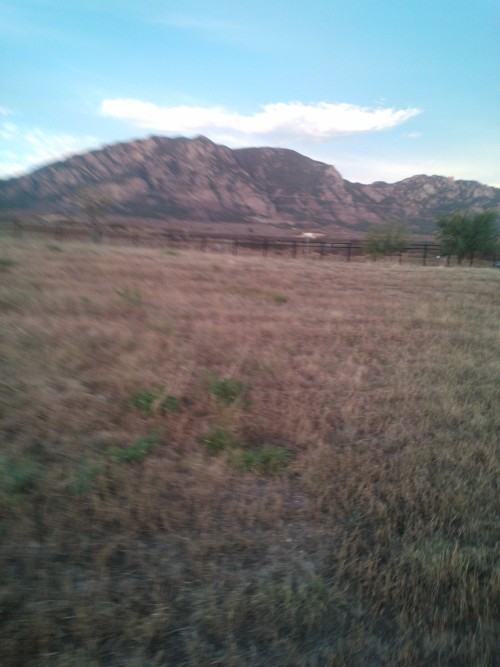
{"x":179,"y":179}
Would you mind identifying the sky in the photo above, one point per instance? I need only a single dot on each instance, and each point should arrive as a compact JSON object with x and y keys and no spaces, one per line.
{"x":381,"y":89}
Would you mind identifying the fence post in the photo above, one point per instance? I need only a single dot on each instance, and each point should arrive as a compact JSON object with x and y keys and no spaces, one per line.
{"x":235,"y":246}
{"x":266,"y":247}
{"x":424,"y":255}
{"x":294,"y":249}
{"x":349,"y":250}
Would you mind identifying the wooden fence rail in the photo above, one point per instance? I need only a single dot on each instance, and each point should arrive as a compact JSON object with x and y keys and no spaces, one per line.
{"x":426,"y":254}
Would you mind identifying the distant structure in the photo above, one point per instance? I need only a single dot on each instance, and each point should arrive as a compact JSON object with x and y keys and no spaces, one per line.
{"x":310,"y":236}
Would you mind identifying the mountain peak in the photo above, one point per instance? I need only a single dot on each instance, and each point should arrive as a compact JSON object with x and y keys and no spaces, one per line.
{"x":196,"y":179}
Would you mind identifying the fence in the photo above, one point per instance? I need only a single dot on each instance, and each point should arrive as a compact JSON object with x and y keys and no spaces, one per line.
{"x":426,"y":254}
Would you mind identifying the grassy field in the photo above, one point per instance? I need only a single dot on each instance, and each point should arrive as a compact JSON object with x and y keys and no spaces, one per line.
{"x":231,"y":461}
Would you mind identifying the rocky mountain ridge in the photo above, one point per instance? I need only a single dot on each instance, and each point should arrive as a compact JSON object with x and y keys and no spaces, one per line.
{"x":176,"y":179}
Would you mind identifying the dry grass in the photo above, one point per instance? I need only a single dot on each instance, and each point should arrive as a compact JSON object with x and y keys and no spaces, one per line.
{"x":345,"y":517}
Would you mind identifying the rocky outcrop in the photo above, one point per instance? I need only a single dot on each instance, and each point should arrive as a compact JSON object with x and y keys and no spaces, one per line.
{"x":195,"y":179}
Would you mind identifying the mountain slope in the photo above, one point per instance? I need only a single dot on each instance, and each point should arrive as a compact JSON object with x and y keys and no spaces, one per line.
{"x":196,"y":179}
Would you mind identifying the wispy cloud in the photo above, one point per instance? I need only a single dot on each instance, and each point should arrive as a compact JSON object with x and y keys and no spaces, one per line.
{"x":23,"y":149}
{"x":274,"y":122}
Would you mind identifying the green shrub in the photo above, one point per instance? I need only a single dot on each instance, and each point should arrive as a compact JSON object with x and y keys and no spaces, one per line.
{"x":136,"y":452}
{"x":265,"y":461}
{"x":18,"y":477}
{"x":54,"y":247}
{"x":155,"y":400}
{"x":278,"y":298}
{"x":219,"y":440}
{"x":6,"y":263}
{"x":386,"y":238}
{"x":227,"y":390}
{"x":82,"y":480}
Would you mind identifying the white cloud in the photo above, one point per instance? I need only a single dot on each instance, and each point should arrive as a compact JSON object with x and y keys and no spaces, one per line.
{"x":273,"y":123}
{"x":23,"y":149}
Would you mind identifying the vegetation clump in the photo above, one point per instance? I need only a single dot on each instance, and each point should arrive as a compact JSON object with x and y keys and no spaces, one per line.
{"x":18,"y":477}
{"x":6,"y":263}
{"x":220,"y":440}
{"x":227,"y":389}
{"x":154,"y":401}
{"x":465,"y":234}
{"x":136,"y":452}
{"x":386,"y":238}
{"x":264,"y":460}
{"x":278,"y":298}
{"x":346,"y":515}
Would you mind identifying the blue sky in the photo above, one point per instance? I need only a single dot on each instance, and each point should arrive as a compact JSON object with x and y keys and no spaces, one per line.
{"x":381,"y":89}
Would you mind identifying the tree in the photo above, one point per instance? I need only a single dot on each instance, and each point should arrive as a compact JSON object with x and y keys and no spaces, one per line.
{"x":386,"y":238}
{"x":94,"y":204}
{"x":465,"y":234}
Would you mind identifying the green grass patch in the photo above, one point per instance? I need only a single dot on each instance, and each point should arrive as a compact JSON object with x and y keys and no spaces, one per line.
{"x":220,"y":440}
{"x":82,"y":480}
{"x":277,"y":298}
{"x":244,"y":290}
{"x":6,"y":263}
{"x":154,"y":401}
{"x":18,"y":477}
{"x":265,"y":461}
{"x":227,"y":390}
{"x":136,"y":452}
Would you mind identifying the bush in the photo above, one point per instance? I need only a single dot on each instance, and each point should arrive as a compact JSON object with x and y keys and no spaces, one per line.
{"x":227,"y":390}
{"x":386,"y":239}
{"x":219,"y":440}
{"x":278,"y":298}
{"x":18,"y":477}
{"x":466,"y":235}
{"x":266,"y":461}
{"x":153,"y":401}
{"x":82,"y":480}
{"x":136,"y":452}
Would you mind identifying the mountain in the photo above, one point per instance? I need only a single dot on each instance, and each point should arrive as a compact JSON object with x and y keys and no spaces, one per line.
{"x":197,"y":180}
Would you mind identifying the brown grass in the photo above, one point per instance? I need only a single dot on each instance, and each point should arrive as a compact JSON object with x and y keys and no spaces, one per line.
{"x":347,"y":516}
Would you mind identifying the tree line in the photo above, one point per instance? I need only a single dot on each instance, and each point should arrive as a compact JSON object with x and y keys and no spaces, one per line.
{"x":461,"y":233}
